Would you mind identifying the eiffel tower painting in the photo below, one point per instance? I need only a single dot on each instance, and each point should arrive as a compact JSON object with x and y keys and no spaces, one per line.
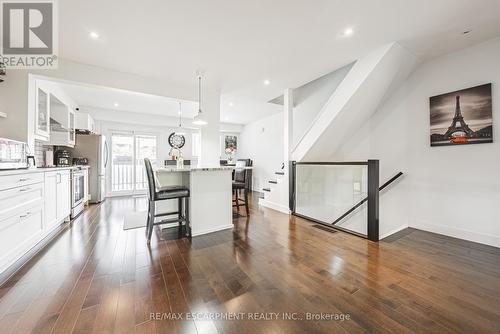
{"x":458,"y":124}
{"x":462,"y":117}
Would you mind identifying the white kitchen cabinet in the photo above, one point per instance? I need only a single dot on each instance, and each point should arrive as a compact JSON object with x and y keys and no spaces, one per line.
{"x":14,"y":198}
{"x":57,"y":198}
{"x":62,"y":124}
{"x":19,"y":232}
{"x":21,"y":215}
{"x":42,"y":114}
{"x":64,"y":196}
{"x":19,"y":180}
{"x":84,"y":123}
{"x":32,"y":205}
{"x":51,"y":180}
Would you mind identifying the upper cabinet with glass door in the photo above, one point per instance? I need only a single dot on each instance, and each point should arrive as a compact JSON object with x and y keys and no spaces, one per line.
{"x":54,"y":114}
{"x":42,"y":115}
{"x":62,"y":123}
{"x":71,"y":127}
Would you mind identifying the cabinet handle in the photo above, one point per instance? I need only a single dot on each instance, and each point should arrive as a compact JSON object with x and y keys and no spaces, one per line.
{"x":25,"y":215}
{"x":24,"y":189}
{"x":23,"y":179}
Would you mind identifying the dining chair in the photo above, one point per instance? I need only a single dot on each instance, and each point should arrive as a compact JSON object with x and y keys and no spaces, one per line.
{"x":240,"y":182}
{"x":163,"y":193}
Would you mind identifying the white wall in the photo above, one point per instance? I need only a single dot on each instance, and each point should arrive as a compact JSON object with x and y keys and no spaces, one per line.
{"x":448,"y":190}
{"x":14,"y":102}
{"x":262,"y":141}
{"x":311,"y":97}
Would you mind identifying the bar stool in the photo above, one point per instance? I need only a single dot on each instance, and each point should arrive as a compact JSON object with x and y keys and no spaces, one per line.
{"x":162,"y":194}
{"x":240,"y":182}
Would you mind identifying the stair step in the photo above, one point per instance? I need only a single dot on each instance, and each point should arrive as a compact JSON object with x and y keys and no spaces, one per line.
{"x":280,"y":173}
{"x":267,"y":189}
{"x":273,"y":182}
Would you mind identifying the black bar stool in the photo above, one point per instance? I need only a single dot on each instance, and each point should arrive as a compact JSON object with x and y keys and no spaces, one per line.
{"x":241,"y":182}
{"x":165,"y":193}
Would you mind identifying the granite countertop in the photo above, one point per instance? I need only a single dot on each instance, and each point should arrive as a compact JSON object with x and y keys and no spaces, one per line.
{"x":38,"y":170}
{"x":174,"y":169}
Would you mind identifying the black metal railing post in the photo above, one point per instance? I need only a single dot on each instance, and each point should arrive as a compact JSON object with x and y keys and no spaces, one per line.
{"x":291,"y":185}
{"x":373,"y":200}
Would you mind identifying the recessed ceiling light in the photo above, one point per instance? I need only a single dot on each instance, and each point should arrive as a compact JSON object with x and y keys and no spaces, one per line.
{"x":94,"y":35}
{"x":231,"y":104}
{"x":116,"y":104}
{"x":347,"y":32}
{"x":267,"y":82}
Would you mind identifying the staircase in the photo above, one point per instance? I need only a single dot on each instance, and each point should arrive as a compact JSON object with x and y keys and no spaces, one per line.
{"x":355,"y":100}
{"x":369,"y":81}
{"x":275,"y":194}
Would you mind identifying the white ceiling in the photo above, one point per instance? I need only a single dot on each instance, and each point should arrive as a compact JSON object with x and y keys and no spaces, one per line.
{"x":236,"y":110}
{"x":105,"y":98}
{"x":241,"y":43}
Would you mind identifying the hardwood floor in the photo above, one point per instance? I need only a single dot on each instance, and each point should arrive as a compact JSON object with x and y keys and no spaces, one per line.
{"x":97,"y":278}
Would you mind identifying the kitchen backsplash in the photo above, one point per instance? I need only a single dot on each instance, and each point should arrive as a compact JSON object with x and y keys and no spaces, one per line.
{"x":39,"y":152}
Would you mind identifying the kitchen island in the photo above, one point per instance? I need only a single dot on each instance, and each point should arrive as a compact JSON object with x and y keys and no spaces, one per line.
{"x":210,"y":201}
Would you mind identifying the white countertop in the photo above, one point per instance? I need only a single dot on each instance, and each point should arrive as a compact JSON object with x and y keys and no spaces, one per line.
{"x":174,"y":169}
{"x":38,"y":170}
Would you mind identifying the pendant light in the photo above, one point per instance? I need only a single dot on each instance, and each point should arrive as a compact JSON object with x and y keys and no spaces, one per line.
{"x":199,"y":119}
{"x":179,"y":131}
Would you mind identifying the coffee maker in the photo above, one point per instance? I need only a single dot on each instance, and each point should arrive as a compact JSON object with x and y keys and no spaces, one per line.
{"x":62,"y":158}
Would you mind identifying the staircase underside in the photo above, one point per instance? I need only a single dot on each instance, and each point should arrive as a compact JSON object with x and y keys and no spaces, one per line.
{"x":369,"y":81}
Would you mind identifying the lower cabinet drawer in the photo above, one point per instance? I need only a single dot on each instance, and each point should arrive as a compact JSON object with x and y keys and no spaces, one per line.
{"x":19,"y":180}
{"x":12,"y":200}
{"x":18,"y":233}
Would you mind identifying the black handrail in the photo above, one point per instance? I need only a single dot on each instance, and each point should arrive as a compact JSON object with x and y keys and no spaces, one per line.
{"x":348,"y":212}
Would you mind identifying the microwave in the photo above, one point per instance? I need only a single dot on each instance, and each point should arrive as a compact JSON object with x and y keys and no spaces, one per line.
{"x":13,"y":154}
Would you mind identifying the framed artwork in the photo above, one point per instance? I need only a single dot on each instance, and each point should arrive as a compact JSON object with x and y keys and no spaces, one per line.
{"x":231,"y":143}
{"x":462,"y":117}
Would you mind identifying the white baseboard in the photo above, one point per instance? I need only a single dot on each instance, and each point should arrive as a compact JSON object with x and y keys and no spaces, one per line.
{"x":482,"y":238}
{"x":211,"y":230}
{"x":391,"y":232}
{"x":274,"y":206}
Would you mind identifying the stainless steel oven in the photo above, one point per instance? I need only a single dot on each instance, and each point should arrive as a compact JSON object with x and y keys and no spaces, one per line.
{"x":77,"y":192}
{"x":13,"y":154}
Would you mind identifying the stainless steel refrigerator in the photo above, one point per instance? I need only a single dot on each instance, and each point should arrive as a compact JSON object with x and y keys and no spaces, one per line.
{"x":96,"y":150}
